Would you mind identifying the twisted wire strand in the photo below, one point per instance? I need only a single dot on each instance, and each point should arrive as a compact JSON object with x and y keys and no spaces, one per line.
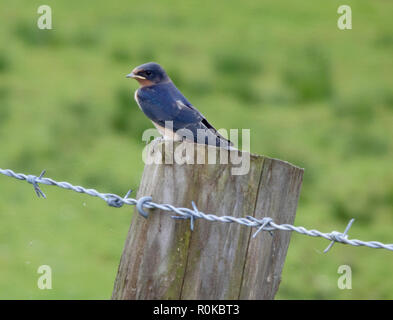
{"x":263,"y":224}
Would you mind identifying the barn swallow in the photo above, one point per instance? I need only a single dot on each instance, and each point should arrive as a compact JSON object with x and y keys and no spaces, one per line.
{"x":163,"y":103}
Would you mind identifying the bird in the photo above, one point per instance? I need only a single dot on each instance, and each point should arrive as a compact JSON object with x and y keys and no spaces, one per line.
{"x":171,"y":113}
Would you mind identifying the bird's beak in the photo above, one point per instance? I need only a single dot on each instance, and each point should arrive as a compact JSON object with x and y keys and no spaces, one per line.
{"x":134,"y":76}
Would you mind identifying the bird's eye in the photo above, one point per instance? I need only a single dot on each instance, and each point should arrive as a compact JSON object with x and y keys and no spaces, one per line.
{"x":148,"y":73}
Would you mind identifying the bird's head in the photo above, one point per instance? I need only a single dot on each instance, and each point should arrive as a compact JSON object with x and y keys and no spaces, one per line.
{"x":148,"y":74}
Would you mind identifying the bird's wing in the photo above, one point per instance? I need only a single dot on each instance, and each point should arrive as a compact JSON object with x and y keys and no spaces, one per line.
{"x":200,"y":123}
{"x":163,"y":103}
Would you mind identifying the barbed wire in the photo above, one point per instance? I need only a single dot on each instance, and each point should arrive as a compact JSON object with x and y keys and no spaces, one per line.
{"x":264,"y":224}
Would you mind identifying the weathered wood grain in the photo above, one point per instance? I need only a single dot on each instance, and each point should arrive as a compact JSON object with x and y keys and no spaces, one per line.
{"x":164,"y":259}
{"x":277,"y":198}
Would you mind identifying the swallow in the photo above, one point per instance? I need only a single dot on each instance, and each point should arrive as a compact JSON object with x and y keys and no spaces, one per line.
{"x":163,"y":103}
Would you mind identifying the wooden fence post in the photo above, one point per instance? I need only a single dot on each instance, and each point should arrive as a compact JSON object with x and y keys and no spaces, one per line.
{"x":164,"y":259}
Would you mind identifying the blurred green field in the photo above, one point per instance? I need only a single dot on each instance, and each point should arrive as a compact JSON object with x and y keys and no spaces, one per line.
{"x":311,"y":94}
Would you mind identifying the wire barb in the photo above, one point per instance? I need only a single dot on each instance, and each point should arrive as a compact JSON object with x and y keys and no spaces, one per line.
{"x":264,"y":224}
{"x":34,"y":181}
{"x":338,"y":237}
{"x":115,"y":202}
{"x":192,"y":215}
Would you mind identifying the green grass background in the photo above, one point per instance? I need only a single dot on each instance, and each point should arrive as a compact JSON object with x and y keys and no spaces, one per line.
{"x":311,"y":94}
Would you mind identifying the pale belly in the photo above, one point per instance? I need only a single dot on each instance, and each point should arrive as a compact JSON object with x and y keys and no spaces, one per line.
{"x":167,"y":133}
